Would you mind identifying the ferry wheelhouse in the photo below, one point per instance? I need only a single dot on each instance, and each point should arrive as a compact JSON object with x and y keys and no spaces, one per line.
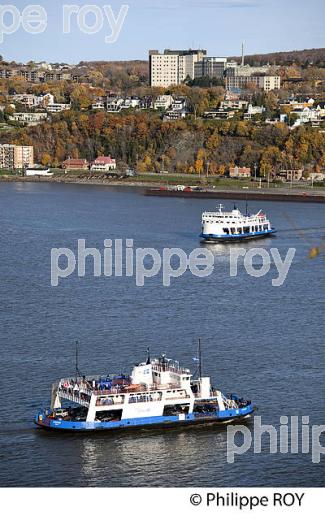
{"x":159,"y":392}
{"x":233,"y":226}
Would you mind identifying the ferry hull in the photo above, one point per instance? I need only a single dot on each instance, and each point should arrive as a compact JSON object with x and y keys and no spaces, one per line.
{"x":237,"y":238}
{"x":225,"y":416}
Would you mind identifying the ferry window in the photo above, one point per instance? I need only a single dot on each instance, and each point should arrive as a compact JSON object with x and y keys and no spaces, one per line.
{"x":265,"y":226}
{"x":240,"y":230}
{"x":226,"y":230}
{"x":246,"y":229}
{"x":233,"y":231}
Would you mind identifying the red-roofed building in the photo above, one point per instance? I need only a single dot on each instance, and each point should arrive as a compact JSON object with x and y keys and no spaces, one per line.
{"x":75,"y":164}
{"x":239,"y":173}
{"x":103,"y":163}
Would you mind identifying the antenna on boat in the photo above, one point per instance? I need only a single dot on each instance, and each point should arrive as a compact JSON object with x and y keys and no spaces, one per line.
{"x":200,"y":358}
{"x":148,"y":356}
{"x":246,"y":205}
{"x":77,"y":360}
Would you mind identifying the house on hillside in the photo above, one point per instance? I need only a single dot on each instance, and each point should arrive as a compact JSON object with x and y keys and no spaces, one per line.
{"x":75,"y":164}
{"x":163,"y":102}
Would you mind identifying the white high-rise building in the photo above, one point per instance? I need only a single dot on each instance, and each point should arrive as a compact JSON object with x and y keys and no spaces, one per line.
{"x":173,"y":66}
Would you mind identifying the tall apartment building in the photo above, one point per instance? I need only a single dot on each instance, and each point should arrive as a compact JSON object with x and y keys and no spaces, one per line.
{"x":16,"y":157}
{"x":173,"y":66}
{"x":23,"y":157}
{"x":210,"y":66}
{"x":7,"y":156}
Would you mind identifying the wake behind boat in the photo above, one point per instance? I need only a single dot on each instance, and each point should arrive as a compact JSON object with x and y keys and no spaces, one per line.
{"x":233,"y":226}
{"x":158,"y":393}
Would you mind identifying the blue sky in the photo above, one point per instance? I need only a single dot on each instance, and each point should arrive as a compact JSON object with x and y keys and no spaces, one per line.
{"x":216,"y":25}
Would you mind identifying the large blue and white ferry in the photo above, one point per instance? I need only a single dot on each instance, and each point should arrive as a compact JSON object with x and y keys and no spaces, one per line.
{"x":158,"y":393}
{"x":233,"y":226}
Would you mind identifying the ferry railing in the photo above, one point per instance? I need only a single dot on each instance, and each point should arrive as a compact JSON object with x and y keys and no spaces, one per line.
{"x":88,"y":381}
{"x":74,"y":396}
{"x":170,"y":368}
{"x":84,"y":389}
{"x":133,"y":390}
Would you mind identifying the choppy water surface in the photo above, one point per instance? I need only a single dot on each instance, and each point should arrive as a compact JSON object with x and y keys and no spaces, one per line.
{"x":263,"y":342}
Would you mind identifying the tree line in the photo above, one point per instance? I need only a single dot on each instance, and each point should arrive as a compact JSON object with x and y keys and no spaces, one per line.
{"x":144,"y":141}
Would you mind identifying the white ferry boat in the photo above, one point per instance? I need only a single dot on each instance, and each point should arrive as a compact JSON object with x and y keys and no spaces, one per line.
{"x":159,"y":393}
{"x":233,"y":226}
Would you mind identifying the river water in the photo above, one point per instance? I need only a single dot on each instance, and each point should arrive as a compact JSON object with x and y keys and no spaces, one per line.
{"x":263,"y":342}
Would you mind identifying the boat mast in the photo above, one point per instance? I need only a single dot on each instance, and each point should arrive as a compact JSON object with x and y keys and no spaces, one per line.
{"x":77,"y":360}
{"x":246,"y":206}
{"x":200,"y":358}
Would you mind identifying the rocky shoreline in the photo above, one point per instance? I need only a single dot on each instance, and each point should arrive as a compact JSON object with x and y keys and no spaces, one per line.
{"x":152,"y":188}
{"x":73,"y":179}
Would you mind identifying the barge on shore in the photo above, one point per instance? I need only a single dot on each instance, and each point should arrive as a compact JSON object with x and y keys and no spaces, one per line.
{"x":279,"y":196}
{"x":159,"y":393}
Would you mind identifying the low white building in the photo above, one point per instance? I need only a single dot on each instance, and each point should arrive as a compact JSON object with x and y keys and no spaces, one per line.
{"x":31,"y":100}
{"x":266,"y":83}
{"x":294,"y":104}
{"x":239,"y":173}
{"x":235,"y":104}
{"x":173,"y":115}
{"x":253,"y":111}
{"x":29,"y":118}
{"x":114,"y":104}
{"x":103,"y":164}
{"x":306,"y":115}
{"x":219,"y":114}
{"x":55,"y":108}
{"x":163,"y":102}
{"x":130,"y":102}
{"x":98,"y":105}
